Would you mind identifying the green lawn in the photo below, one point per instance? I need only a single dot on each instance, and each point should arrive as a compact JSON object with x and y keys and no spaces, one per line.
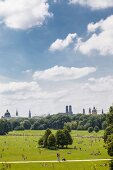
{"x":25,"y":147}
{"x":61,"y":166}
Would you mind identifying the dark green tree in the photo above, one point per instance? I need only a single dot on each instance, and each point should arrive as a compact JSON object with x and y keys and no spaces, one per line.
{"x":4,"y":128}
{"x":40,"y":142}
{"x":15,"y":123}
{"x":60,"y":138}
{"x":109,"y":124}
{"x":96,"y":129}
{"x":108,"y":135}
{"x":108,"y":131}
{"x":68,"y":138}
{"x":26,"y":124}
{"x":19,"y":127}
{"x":90,"y":129}
{"x":104,"y":125}
{"x":45,"y":137}
{"x":110,"y":145}
{"x":51,"y":141}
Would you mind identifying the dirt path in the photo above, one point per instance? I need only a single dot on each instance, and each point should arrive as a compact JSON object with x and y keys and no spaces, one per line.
{"x":52,"y":161}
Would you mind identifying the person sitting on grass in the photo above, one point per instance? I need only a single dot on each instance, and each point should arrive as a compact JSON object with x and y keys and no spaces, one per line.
{"x":63,"y":159}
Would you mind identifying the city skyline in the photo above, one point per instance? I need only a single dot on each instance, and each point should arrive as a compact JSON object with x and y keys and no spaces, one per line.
{"x":54,"y":53}
{"x":68,"y":109}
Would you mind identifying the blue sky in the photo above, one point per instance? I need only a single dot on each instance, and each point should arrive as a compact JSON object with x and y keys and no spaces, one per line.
{"x":54,"y":53}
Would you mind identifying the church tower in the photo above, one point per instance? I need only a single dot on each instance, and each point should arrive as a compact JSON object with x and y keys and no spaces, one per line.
{"x":29,"y":114}
{"x":16,"y":113}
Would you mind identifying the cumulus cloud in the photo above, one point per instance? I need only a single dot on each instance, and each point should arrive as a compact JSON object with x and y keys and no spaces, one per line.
{"x":24,"y":14}
{"x":93,"y":4}
{"x":13,"y":87}
{"x":60,"y":44}
{"x":100,"y":39}
{"x":28,"y":90}
{"x":60,"y":73}
{"x":102,"y":84}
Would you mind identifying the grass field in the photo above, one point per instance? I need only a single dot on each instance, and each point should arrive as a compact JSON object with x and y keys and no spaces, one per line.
{"x":23,"y":146}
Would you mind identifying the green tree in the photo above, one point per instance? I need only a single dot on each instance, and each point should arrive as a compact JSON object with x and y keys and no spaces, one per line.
{"x":111,"y":165}
{"x":90,"y":129}
{"x":110,"y":145}
{"x":74,"y":125}
{"x":4,"y":128}
{"x":26,"y":124}
{"x":60,"y":138}
{"x":110,"y":116}
{"x":67,"y":126}
{"x":96,"y":129}
{"x":108,"y":135}
{"x":109,"y":123}
{"x":68,"y":138}
{"x":108,"y":131}
{"x":104,"y":125}
{"x":51,"y":141}
{"x":40,"y":142}
{"x":45,"y":137}
{"x":15,"y":123}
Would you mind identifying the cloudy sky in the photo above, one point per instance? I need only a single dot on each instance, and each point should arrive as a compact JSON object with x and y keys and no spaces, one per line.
{"x":55,"y":53}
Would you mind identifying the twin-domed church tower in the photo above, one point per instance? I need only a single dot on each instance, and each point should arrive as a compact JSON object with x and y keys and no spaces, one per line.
{"x":69,"y":109}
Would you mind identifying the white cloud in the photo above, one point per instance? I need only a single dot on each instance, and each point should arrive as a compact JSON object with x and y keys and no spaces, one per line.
{"x":60,"y":44}
{"x":25,"y":95}
{"x":24,"y":14}
{"x":60,"y":73}
{"x":93,"y":4}
{"x":14,"y":87}
{"x":101,"y":38}
{"x":52,"y":97}
{"x":102,"y":84}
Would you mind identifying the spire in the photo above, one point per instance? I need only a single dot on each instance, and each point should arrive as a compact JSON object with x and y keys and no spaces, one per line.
{"x":17,"y":113}
{"x":29,"y":114}
{"x":84,"y":111}
{"x":89,"y":110}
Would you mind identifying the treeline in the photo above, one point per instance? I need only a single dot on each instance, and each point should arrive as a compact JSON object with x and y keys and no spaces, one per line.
{"x":56,"y":121}
{"x":108,"y":134}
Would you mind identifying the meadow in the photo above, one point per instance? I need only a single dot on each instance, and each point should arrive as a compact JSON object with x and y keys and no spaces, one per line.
{"x":23,"y":146}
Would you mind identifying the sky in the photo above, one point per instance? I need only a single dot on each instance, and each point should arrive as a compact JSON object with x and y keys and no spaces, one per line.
{"x":55,"y":53}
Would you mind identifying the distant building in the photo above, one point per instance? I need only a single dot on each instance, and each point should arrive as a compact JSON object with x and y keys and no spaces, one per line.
{"x":94,"y":111}
{"x":84,"y":111}
{"x":102,"y":111}
{"x":89,"y":110}
{"x":7,"y":115}
{"x":29,"y":114}
{"x":69,"y":109}
{"x":16,"y":113}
